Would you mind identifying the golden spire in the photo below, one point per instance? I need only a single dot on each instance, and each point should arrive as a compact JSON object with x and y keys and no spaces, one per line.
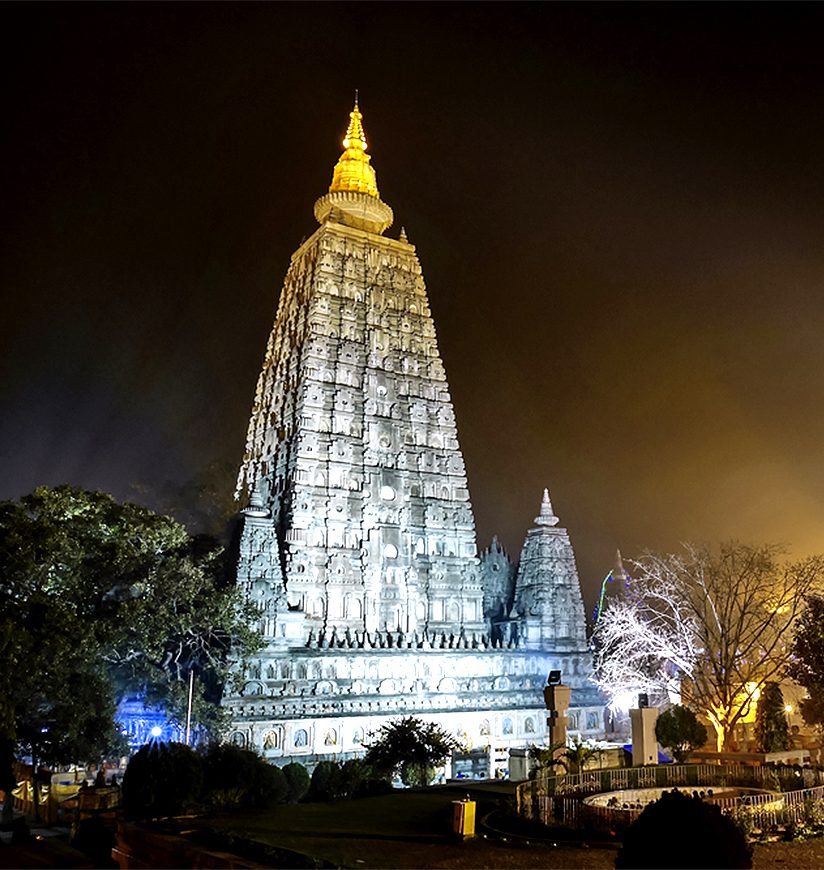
{"x":353,"y":171}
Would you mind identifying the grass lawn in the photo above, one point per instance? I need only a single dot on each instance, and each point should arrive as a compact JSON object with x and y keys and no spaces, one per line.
{"x":412,"y":829}
{"x":405,"y":829}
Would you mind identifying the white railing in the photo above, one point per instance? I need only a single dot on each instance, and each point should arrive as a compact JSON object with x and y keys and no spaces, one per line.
{"x":559,"y":799}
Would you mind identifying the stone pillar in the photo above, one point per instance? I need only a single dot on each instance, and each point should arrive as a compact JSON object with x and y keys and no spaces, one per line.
{"x":518,"y":764}
{"x":556,"y":698}
{"x":644,"y":744}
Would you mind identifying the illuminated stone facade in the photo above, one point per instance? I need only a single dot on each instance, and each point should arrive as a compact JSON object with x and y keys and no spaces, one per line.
{"x":359,"y":540}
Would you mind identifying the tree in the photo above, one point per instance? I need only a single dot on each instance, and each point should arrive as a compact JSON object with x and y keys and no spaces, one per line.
{"x":679,"y":730}
{"x":411,"y":748}
{"x":716,"y":625}
{"x":807,"y":660}
{"x":682,"y":831}
{"x":772,"y":733}
{"x":98,"y":600}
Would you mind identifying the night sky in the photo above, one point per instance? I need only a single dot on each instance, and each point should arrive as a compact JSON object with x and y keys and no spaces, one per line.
{"x":619,"y":211}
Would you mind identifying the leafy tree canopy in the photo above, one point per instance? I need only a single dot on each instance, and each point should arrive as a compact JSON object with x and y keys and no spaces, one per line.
{"x":679,"y":730}
{"x":807,"y":660}
{"x":100,"y":600}
{"x":410,"y":747}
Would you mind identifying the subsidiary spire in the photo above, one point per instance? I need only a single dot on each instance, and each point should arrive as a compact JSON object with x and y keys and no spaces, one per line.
{"x":353,"y":172}
{"x":546,"y":517}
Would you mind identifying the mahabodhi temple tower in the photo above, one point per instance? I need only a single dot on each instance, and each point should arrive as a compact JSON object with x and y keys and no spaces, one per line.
{"x":358,"y":542}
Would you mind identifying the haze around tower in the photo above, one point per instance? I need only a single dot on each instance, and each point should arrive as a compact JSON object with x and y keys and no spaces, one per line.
{"x":618,"y":211}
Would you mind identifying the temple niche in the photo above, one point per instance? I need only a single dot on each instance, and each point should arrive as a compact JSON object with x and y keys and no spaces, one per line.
{"x":358,"y":542}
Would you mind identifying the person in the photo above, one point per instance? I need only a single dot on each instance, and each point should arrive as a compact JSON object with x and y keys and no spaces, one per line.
{"x":100,"y":779}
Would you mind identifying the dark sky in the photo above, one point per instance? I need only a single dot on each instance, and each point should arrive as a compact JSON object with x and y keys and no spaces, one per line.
{"x":619,"y":210}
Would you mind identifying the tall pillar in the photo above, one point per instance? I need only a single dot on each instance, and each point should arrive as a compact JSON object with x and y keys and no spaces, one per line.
{"x":556,"y":698}
{"x":644,"y":744}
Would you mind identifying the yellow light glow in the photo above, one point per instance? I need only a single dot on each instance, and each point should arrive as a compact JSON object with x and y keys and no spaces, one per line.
{"x":753,"y":691}
{"x":788,"y":708}
{"x":353,"y":172}
{"x":747,"y":702}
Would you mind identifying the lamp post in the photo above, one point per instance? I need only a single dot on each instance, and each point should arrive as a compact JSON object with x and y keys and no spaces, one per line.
{"x":189,"y":706}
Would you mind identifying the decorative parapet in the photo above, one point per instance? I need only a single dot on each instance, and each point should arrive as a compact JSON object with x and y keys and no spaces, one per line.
{"x":354,"y":209}
{"x":398,"y":640}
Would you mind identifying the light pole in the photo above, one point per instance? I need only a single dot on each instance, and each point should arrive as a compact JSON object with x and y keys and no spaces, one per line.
{"x":189,"y":706}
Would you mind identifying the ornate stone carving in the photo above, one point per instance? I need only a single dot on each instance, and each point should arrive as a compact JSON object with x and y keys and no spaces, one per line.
{"x":358,"y":544}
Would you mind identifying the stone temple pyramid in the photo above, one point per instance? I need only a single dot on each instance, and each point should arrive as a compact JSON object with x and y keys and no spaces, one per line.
{"x":358,"y":542}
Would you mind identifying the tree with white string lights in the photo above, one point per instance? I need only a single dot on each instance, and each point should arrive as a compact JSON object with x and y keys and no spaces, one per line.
{"x":709,"y":627}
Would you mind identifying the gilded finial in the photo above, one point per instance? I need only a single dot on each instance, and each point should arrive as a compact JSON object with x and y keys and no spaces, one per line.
{"x":353,"y":171}
{"x":353,"y":198}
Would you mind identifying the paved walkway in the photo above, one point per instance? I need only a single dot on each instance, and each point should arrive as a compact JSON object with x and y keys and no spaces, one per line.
{"x":48,"y":847}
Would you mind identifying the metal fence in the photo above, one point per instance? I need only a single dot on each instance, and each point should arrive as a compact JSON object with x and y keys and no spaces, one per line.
{"x":559,"y":799}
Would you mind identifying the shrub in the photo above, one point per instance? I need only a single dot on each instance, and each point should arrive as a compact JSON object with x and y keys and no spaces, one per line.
{"x":271,"y":786}
{"x":236,"y":777}
{"x":327,"y":782}
{"x":360,"y":780}
{"x":297,"y":782}
{"x":679,"y":831}
{"x":162,"y":779}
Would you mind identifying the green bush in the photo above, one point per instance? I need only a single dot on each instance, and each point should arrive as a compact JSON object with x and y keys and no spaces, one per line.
{"x":360,"y":780}
{"x":678,"y":831}
{"x":271,"y":787}
{"x":236,"y":777}
{"x":297,"y":782}
{"x":162,"y":779}
{"x":327,"y":782}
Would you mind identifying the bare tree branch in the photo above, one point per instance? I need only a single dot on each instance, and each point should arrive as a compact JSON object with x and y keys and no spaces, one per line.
{"x":713,"y":626}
